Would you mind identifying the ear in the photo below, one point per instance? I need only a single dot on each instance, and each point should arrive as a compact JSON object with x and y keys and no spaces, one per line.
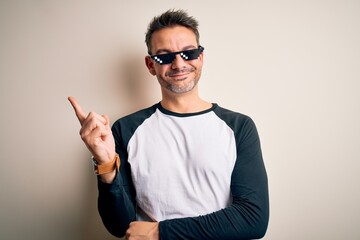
{"x":150,"y":65}
{"x":201,"y":57}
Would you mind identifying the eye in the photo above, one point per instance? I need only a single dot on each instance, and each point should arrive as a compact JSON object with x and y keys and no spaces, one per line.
{"x":156,"y":58}
{"x":168,"y":58}
{"x":184,"y":56}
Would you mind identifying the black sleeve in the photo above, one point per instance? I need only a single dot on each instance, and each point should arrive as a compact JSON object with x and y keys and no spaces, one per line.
{"x":116,"y":201}
{"x":247,"y":216}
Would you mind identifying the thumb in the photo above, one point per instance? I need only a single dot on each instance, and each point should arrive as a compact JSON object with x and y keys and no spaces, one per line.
{"x":107,"y":123}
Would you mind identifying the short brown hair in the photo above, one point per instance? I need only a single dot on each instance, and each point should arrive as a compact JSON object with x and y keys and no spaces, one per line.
{"x":171,"y":18}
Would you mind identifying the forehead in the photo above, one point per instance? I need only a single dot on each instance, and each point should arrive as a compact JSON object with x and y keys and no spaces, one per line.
{"x":173,"y":38}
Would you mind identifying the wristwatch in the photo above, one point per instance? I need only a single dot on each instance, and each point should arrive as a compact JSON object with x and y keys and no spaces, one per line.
{"x":100,"y":169}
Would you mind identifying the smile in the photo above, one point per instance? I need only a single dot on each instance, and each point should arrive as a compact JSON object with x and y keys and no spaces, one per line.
{"x":181,"y":73}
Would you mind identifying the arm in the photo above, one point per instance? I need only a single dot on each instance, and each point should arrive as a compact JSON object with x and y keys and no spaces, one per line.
{"x":116,"y":205}
{"x":116,"y":201}
{"x":247,"y":216}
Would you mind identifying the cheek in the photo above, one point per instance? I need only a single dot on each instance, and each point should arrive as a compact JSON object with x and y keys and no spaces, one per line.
{"x":161,"y":70}
{"x":197,"y":64}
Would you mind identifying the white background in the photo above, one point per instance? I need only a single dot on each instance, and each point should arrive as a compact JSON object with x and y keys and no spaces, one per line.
{"x":293,"y":66}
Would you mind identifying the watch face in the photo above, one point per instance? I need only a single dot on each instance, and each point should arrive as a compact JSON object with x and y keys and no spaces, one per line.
{"x":95,"y":165}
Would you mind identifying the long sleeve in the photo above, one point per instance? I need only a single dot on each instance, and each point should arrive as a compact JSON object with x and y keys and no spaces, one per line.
{"x":116,"y":201}
{"x":247,"y":216}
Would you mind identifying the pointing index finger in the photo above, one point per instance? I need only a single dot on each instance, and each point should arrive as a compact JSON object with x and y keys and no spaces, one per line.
{"x":78,"y":110}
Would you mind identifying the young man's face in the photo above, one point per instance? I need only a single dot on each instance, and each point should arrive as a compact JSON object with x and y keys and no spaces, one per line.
{"x":180,"y":76}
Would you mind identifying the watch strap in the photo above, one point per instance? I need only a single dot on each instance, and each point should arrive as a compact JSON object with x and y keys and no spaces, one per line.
{"x":100,"y":169}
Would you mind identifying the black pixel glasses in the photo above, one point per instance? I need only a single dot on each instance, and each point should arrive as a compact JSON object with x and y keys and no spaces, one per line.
{"x":168,"y":58}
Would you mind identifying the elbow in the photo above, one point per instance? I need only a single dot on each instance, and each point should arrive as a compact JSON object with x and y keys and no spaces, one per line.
{"x":115,"y":230}
{"x":259,"y":232}
{"x":117,"y":233}
{"x":255,"y":230}
{"x":113,"y":224}
{"x":255,"y":221}
{"x":259,"y":226}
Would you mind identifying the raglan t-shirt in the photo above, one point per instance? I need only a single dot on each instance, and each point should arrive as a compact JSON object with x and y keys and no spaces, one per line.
{"x":200,"y":175}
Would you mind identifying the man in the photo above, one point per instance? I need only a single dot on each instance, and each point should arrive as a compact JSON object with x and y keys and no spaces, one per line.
{"x":189,"y":168}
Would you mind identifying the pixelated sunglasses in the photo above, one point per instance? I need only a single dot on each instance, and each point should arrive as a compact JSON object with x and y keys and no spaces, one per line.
{"x":168,"y":58}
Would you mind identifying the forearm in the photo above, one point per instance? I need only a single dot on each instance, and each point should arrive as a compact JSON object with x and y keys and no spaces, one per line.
{"x":116,"y":206}
{"x":108,"y":177}
{"x":242,"y":220}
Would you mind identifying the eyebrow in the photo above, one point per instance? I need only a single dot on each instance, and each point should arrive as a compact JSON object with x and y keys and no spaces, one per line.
{"x":164,"y":50}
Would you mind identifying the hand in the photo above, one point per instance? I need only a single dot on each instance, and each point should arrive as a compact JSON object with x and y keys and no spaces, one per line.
{"x":96,"y":133}
{"x":143,"y":231}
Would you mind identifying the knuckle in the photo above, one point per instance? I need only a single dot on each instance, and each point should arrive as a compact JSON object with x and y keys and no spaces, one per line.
{"x":92,"y":115}
{"x":83,"y":137}
{"x":82,"y":134}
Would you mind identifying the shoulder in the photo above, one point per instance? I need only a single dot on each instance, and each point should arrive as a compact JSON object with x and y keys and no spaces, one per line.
{"x":137,"y":117}
{"x":125,"y":127}
{"x":243,"y":126}
{"x":233,"y":119}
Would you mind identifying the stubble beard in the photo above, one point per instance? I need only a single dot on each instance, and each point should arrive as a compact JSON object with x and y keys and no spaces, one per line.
{"x":184,"y":87}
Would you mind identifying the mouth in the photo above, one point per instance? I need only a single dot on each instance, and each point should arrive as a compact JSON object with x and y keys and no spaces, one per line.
{"x":179,"y":76}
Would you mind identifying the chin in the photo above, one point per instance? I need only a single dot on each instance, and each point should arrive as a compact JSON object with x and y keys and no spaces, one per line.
{"x":183,"y":88}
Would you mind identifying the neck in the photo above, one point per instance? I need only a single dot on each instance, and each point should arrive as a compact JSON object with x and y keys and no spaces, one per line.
{"x":189,"y":102}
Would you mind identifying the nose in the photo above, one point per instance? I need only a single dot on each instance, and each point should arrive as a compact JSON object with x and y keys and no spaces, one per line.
{"x":178,"y":62}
